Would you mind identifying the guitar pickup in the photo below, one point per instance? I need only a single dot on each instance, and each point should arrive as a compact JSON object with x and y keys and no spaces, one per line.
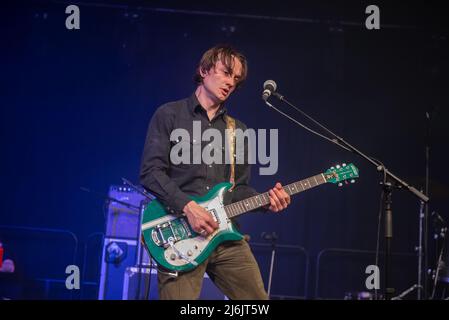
{"x":214,"y":214}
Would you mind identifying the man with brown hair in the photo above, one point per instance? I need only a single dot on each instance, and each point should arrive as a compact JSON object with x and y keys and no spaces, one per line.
{"x":232,"y":266}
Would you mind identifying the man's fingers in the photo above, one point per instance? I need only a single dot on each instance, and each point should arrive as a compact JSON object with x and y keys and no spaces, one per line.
{"x":281,"y":198}
{"x":212,"y":224}
{"x":272,"y":205}
{"x":277,"y":203}
{"x":208,"y":229}
{"x":284,"y":193}
{"x":208,"y":223}
{"x":208,"y":219}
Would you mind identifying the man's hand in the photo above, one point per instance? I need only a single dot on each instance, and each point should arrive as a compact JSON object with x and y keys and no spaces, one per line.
{"x":200,"y":220}
{"x":279,"y":199}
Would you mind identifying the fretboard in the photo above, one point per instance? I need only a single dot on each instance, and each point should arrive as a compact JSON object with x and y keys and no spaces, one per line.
{"x":237,"y":208}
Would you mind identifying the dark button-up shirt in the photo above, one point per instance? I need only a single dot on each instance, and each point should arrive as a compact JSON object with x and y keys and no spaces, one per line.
{"x":172,"y":183}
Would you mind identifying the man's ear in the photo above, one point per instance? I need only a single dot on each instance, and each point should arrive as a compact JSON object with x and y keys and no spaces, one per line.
{"x":202,"y":72}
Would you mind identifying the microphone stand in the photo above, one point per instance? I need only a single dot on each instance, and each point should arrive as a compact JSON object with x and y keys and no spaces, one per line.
{"x":390,"y":181}
{"x":273,"y":238}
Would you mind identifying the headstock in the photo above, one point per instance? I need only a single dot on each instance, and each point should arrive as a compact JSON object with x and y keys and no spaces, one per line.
{"x":341,"y":173}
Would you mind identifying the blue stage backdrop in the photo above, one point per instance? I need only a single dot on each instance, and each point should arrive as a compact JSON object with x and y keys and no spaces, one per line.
{"x":75,"y":106}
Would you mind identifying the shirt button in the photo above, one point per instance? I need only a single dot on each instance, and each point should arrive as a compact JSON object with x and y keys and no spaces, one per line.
{"x":210,"y":166}
{"x":210,"y":124}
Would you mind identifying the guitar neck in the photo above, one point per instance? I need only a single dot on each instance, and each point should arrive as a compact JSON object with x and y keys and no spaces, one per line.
{"x":237,"y":208}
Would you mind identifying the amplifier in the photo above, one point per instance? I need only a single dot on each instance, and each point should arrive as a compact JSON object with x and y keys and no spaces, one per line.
{"x":141,"y":284}
{"x":118,"y":254}
{"x":123,"y":217}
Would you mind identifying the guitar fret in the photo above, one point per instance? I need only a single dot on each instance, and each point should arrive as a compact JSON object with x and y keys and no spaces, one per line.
{"x":228,"y":210}
{"x":231,"y":209}
{"x":323,"y":177}
{"x":266,"y":198}
{"x":262,"y":200}
{"x":235,"y":209}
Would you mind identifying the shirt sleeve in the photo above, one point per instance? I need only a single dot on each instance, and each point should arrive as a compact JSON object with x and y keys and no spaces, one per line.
{"x":156,"y":161}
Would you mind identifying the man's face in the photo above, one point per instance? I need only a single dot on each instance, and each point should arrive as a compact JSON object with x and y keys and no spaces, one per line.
{"x":220,"y":82}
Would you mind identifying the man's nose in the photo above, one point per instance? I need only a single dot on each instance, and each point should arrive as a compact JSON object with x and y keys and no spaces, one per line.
{"x":230,"y":82}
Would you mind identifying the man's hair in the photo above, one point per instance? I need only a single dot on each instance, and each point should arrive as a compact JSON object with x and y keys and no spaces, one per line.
{"x":225,"y":54}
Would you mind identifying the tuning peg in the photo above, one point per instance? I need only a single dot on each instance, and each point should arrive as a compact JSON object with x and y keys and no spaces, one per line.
{"x":337,"y":166}
{"x":343,"y":165}
{"x":332,"y":168}
{"x":340,"y":184}
{"x":352,"y":181}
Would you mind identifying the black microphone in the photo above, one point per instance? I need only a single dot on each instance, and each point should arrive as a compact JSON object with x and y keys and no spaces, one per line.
{"x":269,"y":87}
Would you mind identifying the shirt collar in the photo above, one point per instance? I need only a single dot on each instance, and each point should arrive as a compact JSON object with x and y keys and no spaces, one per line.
{"x":195,"y":106}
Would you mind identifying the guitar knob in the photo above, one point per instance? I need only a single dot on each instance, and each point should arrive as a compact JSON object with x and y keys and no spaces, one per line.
{"x":340,"y":184}
{"x":189,"y":253}
{"x":352,"y":181}
{"x":173,"y":256}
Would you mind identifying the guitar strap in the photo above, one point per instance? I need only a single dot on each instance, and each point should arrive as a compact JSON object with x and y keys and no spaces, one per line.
{"x":230,"y":126}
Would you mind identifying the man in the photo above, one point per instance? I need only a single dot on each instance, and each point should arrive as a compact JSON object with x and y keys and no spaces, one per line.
{"x":231,"y":266}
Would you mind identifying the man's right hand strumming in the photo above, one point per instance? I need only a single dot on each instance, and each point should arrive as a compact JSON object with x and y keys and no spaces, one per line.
{"x":200,"y":220}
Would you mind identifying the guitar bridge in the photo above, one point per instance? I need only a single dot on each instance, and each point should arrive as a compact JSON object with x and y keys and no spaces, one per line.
{"x":174,"y":230}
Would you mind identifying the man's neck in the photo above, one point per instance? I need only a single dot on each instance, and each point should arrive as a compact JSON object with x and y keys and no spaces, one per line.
{"x":207,"y":102}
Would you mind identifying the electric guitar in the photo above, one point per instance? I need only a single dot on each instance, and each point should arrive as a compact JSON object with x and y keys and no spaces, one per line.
{"x":175,"y":246}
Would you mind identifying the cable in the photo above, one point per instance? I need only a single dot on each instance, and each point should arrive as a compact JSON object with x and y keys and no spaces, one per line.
{"x":307,"y":128}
